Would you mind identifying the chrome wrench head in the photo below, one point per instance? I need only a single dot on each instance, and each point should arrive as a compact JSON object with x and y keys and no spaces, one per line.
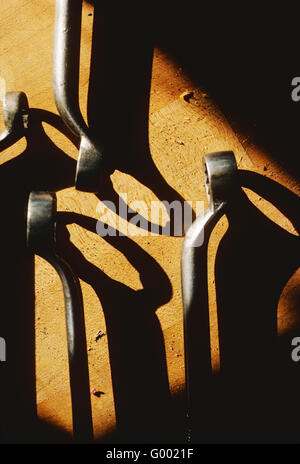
{"x":16,"y":117}
{"x":41,"y":220}
{"x":90,"y":166}
{"x":220,"y":171}
{"x":66,"y":60}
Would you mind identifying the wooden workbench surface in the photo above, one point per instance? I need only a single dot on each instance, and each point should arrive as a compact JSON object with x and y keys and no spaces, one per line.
{"x":131,"y":285}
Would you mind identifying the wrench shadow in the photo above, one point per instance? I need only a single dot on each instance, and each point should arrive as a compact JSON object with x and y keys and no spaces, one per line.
{"x":44,"y":166}
{"x":135,"y":338}
{"x":142,"y":402}
{"x":259,"y":106}
{"x":252,"y":397}
{"x":118,"y":102}
{"x":41,"y":166}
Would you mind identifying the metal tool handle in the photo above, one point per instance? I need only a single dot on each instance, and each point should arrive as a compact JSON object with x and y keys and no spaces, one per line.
{"x":66,"y":61}
{"x":15,"y":115}
{"x":41,"y":218}
{"x":220,"y":180}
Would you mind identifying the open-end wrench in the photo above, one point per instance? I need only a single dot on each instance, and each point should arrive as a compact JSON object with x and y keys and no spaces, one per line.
{"x":41,"y":223}
{"x":220,"y":179}
{"x":66,"y":60}
{"x":15,"y":115}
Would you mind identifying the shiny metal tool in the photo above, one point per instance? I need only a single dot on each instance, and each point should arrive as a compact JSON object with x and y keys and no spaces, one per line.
{"x":16,"y":118}
{"x":41,"y":239}
{"x":220,"y":172}
{"x":66,"y":61}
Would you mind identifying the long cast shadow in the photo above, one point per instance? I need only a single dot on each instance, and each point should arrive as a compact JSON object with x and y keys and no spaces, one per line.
{"x":135,"y":339}
{"x":246,"y":65}
{"x":42,"y":166}
{"x":253,"y":397}
{"x":241,"y":60}
{"x":118,"y":98}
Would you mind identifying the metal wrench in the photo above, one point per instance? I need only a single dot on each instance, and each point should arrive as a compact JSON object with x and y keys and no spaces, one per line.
{"x":220,"y":172}
{"x":16,"y":116}
{"x":41,"y":223}
{"x":66,"y":60}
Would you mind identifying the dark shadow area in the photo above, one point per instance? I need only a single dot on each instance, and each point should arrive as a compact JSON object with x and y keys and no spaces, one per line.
{"x":135,"y":339}
{"x":42,"y":166}
{"x":118,"y":99}
{"x":254,"y":397}
{"x":246,"y":64}
{"x":245,"y":58}
{"x":175,"y":434}
{"x":137,"y":355}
